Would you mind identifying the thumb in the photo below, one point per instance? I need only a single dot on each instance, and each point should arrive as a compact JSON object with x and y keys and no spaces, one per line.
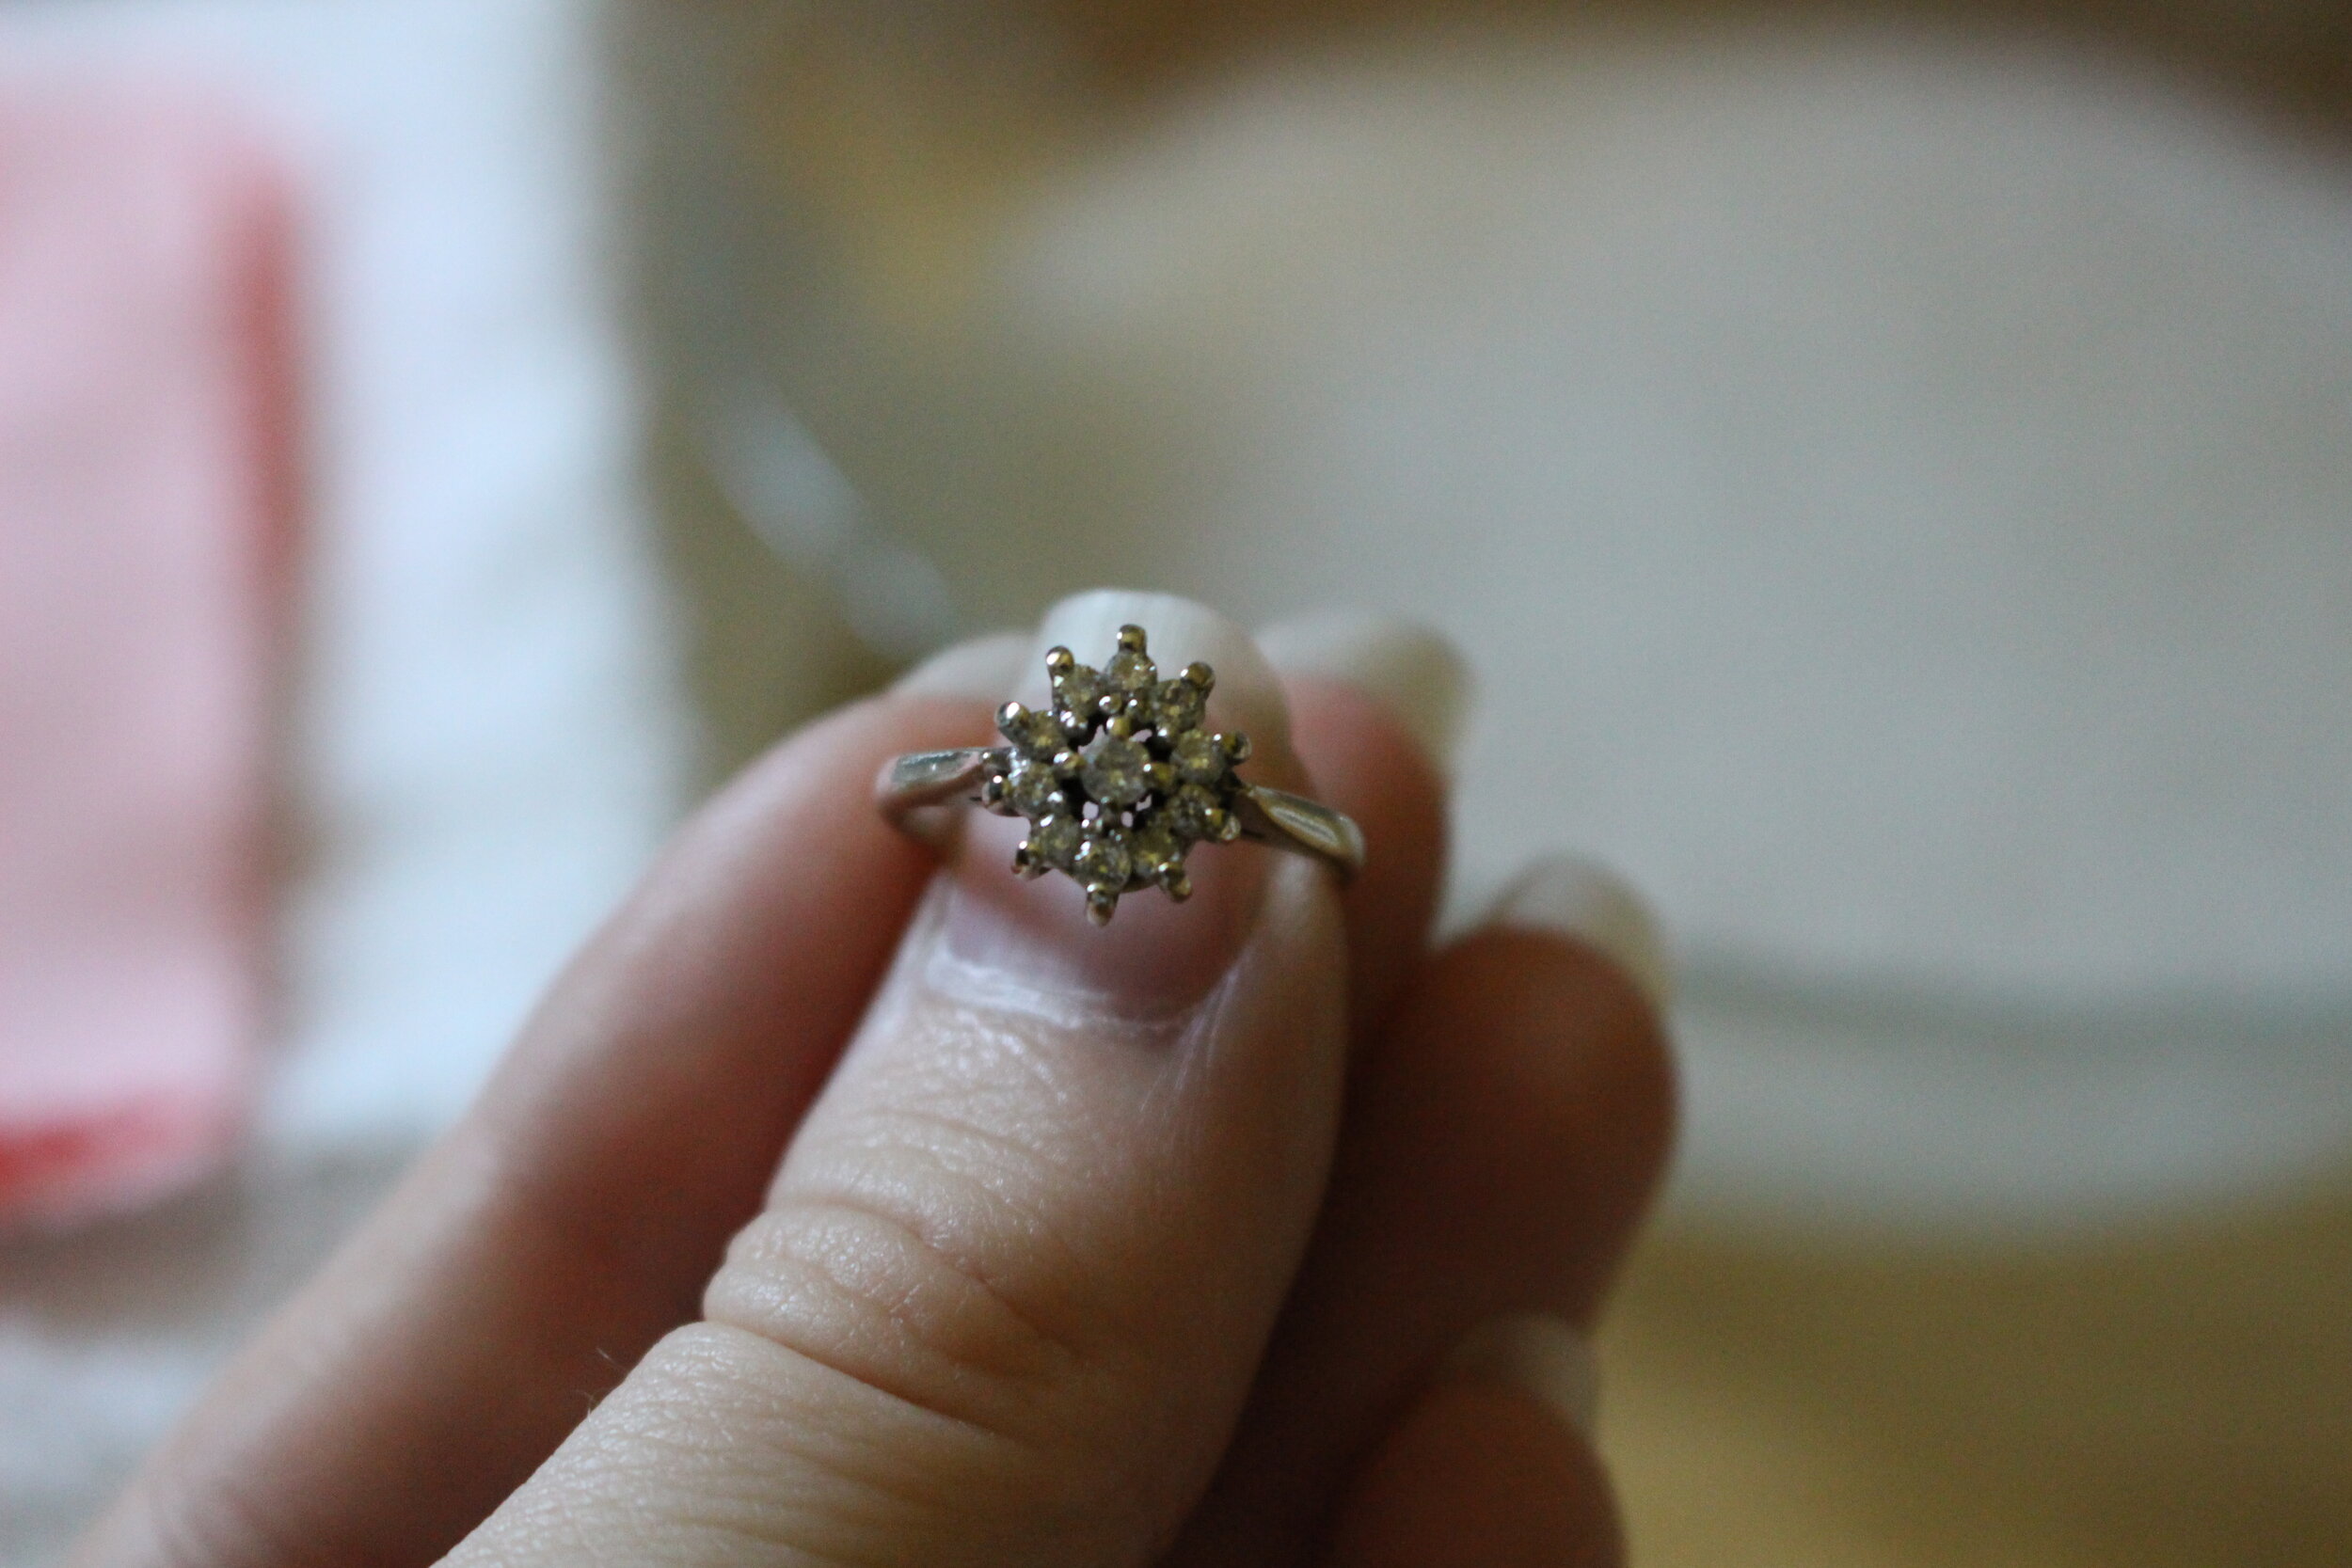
{"x":1022,"y":1259}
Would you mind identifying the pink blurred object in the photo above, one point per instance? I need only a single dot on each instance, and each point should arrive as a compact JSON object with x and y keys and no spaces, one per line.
{"x":146,"y":491}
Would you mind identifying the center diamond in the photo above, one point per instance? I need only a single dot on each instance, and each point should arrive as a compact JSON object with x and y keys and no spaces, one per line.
{"x":1116,"y":772}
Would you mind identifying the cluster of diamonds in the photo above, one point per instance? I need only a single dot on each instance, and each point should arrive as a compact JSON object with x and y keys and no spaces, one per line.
{"x":1118,"y":779}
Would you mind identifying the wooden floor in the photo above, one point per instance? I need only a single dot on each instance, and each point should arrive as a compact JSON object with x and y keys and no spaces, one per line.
{"x":2182,"y":1397}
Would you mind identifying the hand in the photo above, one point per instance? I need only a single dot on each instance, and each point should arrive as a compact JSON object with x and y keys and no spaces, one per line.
{"x":820,"y":1218}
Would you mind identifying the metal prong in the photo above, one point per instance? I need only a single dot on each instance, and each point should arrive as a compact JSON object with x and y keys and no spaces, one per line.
{"x":1131,"y":639}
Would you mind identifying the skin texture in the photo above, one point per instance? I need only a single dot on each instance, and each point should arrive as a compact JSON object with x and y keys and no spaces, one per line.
{"x":1149,"y":1262}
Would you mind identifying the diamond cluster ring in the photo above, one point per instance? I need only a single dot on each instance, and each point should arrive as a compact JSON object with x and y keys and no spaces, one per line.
{"x":1119,"y":781}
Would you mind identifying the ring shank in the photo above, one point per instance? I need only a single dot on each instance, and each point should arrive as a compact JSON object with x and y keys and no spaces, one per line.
{"x":1274,"y":818}
{"x":1304,"y":827}
{"x":917,"y":779}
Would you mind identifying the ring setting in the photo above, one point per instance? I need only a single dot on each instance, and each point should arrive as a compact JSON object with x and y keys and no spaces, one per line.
{"x":1119,"y":780}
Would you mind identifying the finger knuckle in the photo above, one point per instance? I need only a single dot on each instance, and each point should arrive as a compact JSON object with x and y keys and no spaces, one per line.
{"x":920,"y":1277}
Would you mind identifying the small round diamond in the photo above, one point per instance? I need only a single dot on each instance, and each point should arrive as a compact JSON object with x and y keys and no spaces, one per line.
{"x":1115,"y":772}
{"x":1032,"y":788}
{"x":1131,"y":670}
{"x":1155,"y":851}
{"x":1079,"y":688}
{"x":1178,"y":706}
{"x":1102,"y":862}
{"x":1033,"y":729}
{"x":1198,"y":757}
{"x":1193,"y":812}
{"x":1057,"y":841}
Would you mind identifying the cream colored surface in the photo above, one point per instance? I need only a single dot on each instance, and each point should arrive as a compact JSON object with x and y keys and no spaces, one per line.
{"x":2178,"y":1396}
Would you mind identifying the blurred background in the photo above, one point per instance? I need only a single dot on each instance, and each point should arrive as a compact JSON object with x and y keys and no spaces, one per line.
{"x":1891,"y":468}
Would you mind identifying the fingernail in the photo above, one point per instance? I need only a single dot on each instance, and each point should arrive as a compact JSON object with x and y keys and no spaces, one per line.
{"x":1416,"y":673}
{"x":1014,"y":937}
{"x":1582,"y":899}
{"x":1539,"y":1355}
{"x":984,"y":668}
